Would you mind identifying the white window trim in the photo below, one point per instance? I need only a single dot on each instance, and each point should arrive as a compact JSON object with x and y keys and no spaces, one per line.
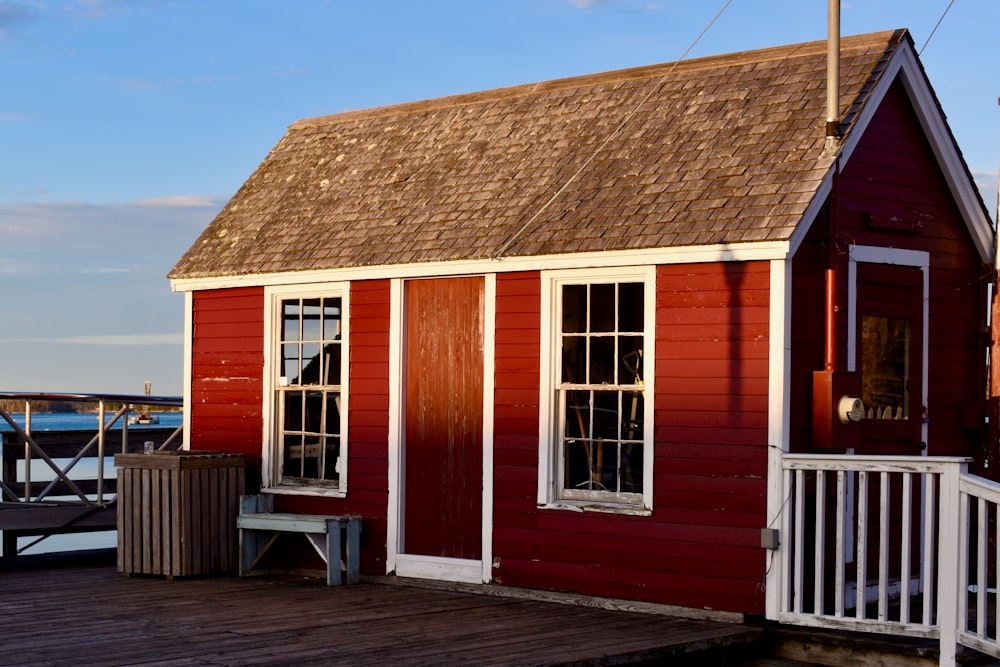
{"x":548,"y":478}
{"x":273,"y":296}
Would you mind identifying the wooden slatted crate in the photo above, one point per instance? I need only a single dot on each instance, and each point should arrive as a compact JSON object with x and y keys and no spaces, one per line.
{"x":177,"y":512}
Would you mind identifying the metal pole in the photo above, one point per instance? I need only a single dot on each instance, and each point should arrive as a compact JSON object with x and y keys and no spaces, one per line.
{"x":27,"y":451}
{"x":100,"y":452}
{"x":833,"y":79}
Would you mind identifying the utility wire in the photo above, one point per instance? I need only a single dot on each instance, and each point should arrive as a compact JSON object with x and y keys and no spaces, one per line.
{"x":935,"y":27}
{"x":513,"y":239}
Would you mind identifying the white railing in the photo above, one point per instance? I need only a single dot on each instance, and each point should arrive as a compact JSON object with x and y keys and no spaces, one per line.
{"x":886,"y":544}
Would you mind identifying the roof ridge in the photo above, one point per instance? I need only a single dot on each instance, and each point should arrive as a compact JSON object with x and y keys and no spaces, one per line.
{"x":768,"y":54}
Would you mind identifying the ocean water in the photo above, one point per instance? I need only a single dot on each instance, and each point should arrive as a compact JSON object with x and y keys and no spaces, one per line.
{"x":86,"y":469}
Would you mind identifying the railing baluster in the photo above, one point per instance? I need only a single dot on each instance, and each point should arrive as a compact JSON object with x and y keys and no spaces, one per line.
{"x":100,"y":451}
{"x":819,"y":594}
{"x":927,"y":551}
{"x":996,"y":571}
{"x":841,"y":557}
{"x":981,"y":557}
{"x":799,"y":510}
{"x":861,"y":559}
{"x":904,"y":552}
{"x":883,"y":547}
{"x":965,"y":535}
{"x":27,"y":451}
{"x":786,"y":532}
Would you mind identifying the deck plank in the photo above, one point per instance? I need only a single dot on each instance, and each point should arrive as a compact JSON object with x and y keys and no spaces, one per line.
{"x":89,"y":614}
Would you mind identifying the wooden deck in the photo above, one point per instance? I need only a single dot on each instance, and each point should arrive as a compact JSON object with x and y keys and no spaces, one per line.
{"x":86,"y":613}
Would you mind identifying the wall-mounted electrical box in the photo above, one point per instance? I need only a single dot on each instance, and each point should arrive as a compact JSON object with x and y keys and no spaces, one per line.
{"x":837,"y":410}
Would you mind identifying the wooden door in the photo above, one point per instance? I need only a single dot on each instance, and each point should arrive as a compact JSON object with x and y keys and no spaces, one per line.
{"x":443,"y":447}
{"x":890,"y":353}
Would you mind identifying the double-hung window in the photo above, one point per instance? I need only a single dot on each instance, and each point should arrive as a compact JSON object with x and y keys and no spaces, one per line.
{"x":308,"y":448}
{"x":597,"y":445}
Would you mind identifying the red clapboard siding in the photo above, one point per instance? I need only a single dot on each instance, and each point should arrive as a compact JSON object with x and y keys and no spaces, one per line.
{"x":700,"y":547}
{"x":227,"y":364}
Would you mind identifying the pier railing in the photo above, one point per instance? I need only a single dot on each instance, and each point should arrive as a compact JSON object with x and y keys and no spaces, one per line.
{"x":43,"y":492}
{"x":893,"y":545}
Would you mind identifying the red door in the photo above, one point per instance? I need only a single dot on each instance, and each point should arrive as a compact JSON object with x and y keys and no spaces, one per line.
{"x":890,"y":357}
{"x":443,"y":447}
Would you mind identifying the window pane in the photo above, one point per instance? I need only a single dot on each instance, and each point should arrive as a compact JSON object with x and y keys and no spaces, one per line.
{"x":630,"y":360}
{"x":293,"y":410}
{"x":606,"y":466}
{"x":314,"y":412}
{"x":632,"y":467}
{"x":574,"y":309}
{"x":885,"y":356}
{"x":310,"y":319}
{"x":291,"y":464}
{"x":310,"y":357}
{"x":602,"y":308}
{"x":630,"y":307}
{"x":290,"y":363}
{"x":606,"y":415}
{"x":290,"y":320}
{"x":577,"y":465}
{"x":331,"y":364}
{"x":332,"y":414}
{"x":602,"y":360}
{"x":332,"y":459}
{"x":312,"y":454}
{"x":632,"y":407}
{"x":574,"y":364}
{"x":331,"y":319}
{"x":577,"y":418}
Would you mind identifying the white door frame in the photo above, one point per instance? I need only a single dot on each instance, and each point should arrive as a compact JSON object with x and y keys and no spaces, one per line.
{"x":432,"y":567}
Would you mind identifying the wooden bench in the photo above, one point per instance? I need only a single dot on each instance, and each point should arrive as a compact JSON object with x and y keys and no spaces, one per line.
{"x":260,"y":527}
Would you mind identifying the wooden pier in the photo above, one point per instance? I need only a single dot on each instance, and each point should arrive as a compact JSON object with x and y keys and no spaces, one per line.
{"x":89,"y":614}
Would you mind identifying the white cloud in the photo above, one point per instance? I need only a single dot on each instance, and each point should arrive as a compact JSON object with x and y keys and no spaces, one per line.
{"x":180,"y":201}
{"x":105,"y":339}
{"x":587,"y":4}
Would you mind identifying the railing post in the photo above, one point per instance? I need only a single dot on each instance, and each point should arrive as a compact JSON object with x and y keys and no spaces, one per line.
{"x":949,"y":581}
{"x":27,"y":453}
{"x":100,"y":451}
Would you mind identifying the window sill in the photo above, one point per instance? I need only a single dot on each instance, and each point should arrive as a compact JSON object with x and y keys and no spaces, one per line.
{"x":315,"y":491}
{"x":590,"y":506}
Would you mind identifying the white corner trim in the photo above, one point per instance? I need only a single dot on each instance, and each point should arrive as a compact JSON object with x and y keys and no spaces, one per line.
{"x":188,"y":360}
{"x":395,"y":440}
{"x":489,"y":392}
{"x":778,"y":420}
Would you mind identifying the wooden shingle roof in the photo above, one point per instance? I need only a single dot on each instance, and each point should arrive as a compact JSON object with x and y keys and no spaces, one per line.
{"x":719,"y":150}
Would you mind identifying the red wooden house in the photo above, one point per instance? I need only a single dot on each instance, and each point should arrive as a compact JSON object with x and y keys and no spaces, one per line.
{"x":560,"y":335}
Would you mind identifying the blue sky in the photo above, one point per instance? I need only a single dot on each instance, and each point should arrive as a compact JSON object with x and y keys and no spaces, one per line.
{"x":126,"y":124}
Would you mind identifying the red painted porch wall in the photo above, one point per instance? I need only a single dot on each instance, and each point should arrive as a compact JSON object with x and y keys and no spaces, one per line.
{"x":894,"y":173}
{"x":701,"y":546}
